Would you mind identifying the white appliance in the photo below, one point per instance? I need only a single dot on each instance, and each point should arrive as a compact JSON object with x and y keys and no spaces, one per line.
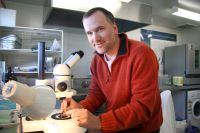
{"x":193,"y":107}
{"x":183,"y":60}
{"x":38,"y":102}
{"x":187,"y":106}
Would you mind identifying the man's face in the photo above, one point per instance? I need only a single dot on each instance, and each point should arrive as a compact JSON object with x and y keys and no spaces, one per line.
{"x":100,"y":32}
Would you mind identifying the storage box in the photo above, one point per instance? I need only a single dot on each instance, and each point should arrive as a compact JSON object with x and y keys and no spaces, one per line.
{"x":7,"y":17}
{"x":7,"y":105}
{"x":8,"y":117}
{"x":10,"y":45}
{"x":10,"y":41}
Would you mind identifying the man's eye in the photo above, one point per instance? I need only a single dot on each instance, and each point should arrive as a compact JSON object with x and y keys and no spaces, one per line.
{"x":100,"y":29}
{"x":89,"y":33}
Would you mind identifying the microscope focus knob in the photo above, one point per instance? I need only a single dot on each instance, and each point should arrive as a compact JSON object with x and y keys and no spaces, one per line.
{"x":62,"y":86}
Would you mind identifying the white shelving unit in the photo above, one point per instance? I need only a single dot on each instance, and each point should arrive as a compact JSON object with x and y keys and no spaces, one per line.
{"x":27,"y":55}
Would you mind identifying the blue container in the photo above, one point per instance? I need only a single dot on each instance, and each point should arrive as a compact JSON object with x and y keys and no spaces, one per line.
{"x":192,"y":129}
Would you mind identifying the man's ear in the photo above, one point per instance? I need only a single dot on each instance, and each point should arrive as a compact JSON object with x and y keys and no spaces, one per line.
{"x":115,"y":28}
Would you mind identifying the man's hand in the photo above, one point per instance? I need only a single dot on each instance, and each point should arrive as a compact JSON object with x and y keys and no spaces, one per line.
{"x":84,"y":118}
{"x":68,"y":104}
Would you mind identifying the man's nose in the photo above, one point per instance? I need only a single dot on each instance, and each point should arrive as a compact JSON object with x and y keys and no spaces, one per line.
{"x":96,"y":37}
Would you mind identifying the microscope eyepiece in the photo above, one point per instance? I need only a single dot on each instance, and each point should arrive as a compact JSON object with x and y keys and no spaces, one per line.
{"x":80,"y":53}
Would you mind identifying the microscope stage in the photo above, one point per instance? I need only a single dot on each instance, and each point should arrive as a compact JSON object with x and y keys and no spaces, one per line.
{"x":52,"y":125}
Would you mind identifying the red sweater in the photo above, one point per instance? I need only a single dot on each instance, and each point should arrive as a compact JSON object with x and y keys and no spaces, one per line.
{"x":130,"y":91}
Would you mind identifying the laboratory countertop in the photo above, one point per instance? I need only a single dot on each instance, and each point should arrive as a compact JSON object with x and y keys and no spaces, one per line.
{"x":80,"y":96}
{"x":180,"y":88}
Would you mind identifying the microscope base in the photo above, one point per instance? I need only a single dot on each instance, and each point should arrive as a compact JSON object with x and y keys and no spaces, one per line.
{"x":52,"y":126}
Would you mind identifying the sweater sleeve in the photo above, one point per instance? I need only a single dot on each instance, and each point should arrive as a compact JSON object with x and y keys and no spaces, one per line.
{"x":95,"y":98}
{"x":144,"y":95}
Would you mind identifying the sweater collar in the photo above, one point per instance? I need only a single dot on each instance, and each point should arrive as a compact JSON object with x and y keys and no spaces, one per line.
{"x":122,"y":47}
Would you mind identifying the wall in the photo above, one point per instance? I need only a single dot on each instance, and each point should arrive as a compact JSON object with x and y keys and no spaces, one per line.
{"x":27,"y":15}
{"x":191,"y":35}
{"x":135,"y":34}
{"x":75,"y":39}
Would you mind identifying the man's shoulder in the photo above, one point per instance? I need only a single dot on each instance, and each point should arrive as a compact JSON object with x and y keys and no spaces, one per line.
{"x":137,"y":45}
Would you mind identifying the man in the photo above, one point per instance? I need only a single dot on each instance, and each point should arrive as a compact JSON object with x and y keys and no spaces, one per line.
{"x":124,"y":77}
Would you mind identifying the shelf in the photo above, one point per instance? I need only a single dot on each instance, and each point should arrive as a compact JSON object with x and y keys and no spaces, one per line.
{"x":32,"y":33}
{"x":21,"y":72}
{"x":27,"y":51}
{"x":23,"y":58}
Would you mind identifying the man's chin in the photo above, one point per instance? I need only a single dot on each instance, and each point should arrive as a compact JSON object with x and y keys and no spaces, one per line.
{"x":100,"y":52}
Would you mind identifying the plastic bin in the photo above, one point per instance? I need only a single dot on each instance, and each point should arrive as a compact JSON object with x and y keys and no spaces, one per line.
{"x":181,"y":126}
{"x":192,"y":129}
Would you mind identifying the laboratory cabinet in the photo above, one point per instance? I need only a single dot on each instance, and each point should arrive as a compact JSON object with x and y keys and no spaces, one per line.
{"x":19,"y":50}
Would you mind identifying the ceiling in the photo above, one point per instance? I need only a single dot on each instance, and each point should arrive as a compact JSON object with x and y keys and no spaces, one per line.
{"x":160,"y":9}
{"x":32,"y":2}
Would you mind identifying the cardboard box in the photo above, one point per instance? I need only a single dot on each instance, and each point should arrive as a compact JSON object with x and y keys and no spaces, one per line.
{"x":7,"y":17}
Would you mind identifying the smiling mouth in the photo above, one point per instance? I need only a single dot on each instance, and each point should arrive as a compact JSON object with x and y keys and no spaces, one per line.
{"x":98,"y":45}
